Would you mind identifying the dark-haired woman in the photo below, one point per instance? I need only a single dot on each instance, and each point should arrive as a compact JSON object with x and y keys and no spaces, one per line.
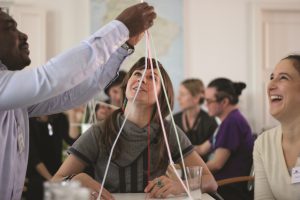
{"x":232,"y":144}
{"x":276,"y":152}
{"x":193,"y":120}
{"x":128,"y":169}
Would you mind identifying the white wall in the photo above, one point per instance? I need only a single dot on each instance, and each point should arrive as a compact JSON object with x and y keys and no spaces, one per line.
{"x":219,"y":42}
{"x":68,"y":22}
{"x":218,"y":38}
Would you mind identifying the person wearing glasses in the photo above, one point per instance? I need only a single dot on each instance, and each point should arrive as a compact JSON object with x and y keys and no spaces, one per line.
{"x":232,"y":143}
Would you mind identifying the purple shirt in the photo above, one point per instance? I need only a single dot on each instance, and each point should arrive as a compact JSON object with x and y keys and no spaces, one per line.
{"x":235,"y":135}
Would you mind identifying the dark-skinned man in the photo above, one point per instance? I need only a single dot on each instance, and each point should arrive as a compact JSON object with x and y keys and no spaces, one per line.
{"x":65,"y":81}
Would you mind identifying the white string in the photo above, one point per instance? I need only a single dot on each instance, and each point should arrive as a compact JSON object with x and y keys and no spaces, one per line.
{"x":172,"y":118}
{"x":161,"y":119}
{"x":119,"y":133}
{"x":160,"y":116}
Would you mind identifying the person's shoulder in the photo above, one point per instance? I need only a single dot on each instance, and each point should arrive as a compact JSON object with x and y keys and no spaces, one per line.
{"x":95,"y":130}
{"x":268,"y":137}
{"x":177,"y":115}
{"x":270,"y":133}
{"x":236,"y":118}
{"x":170,"y":127}
{"x":203,"y":114}
{"x":237,"y":115}
{"x":98,"y":127}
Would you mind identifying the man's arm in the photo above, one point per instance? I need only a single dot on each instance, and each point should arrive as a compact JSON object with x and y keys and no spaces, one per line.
{"x":83,"y":92}
{"x":31,"y":86}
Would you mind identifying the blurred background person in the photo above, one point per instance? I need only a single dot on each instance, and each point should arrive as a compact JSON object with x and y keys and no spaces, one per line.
{"x":233,"y":142}
{"x":47,"y":134}
{"x":193,"y":120}
{"x":277,"y":151}
{"x":75,"y":117}
{"x":103,"y":110}
{"x":114,"y":91}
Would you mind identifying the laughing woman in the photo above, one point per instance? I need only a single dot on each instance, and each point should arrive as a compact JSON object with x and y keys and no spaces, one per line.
{"x":276,"y":153}
{"x":128,"y":169}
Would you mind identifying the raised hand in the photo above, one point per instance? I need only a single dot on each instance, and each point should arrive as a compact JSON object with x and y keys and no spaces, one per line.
{"x":135,"y":39}
{"x":137,"y":18}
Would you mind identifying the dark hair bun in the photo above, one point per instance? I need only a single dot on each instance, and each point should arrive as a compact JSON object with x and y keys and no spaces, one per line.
{"x":238,"y":87}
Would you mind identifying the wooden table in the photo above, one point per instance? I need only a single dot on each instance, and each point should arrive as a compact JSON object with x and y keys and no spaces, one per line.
{"x":142,"y":196}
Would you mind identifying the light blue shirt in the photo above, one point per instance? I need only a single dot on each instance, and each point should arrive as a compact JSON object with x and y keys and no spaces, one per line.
{"x":64,"y":82}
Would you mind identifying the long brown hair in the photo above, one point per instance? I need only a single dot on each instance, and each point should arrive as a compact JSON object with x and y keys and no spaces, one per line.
{"x":111,"y":128}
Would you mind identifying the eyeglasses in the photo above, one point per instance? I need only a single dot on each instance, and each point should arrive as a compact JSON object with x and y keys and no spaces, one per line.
{"x":210,"y":101}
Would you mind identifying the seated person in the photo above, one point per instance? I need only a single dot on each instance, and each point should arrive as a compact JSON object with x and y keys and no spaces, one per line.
{"x":128,"y":169}
{"x":103,"y":110}
{"x":114,"y":91}
{"x":276,"y":154}
{"x":75,"y":117}
{"x":47,"y":134}
{"x":233,"y":142}
{"x":193,"y":120}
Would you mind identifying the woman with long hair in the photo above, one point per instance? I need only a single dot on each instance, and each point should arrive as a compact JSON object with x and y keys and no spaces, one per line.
{"x":129,"y":170}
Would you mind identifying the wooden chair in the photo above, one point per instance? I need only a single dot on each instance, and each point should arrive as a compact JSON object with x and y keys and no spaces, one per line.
{"x":235,"y":180}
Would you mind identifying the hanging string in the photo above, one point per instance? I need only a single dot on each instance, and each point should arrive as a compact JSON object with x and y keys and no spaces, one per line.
{"x":119,"y":133}
{"x":149,"y":118}
{"x":172,"y":118}
{"x":161,"y":118}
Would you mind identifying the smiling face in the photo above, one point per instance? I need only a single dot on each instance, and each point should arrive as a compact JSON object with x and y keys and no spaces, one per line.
{"x":284,"y":91}
{"x":130,"y":83}
{"x":146,"y":92}
{"x":14,"y":52}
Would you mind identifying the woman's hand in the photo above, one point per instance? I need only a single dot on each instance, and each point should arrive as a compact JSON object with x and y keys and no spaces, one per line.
{"x":94,"y":186}
{"x":106,"y":195}
{"x":163,"y":186}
